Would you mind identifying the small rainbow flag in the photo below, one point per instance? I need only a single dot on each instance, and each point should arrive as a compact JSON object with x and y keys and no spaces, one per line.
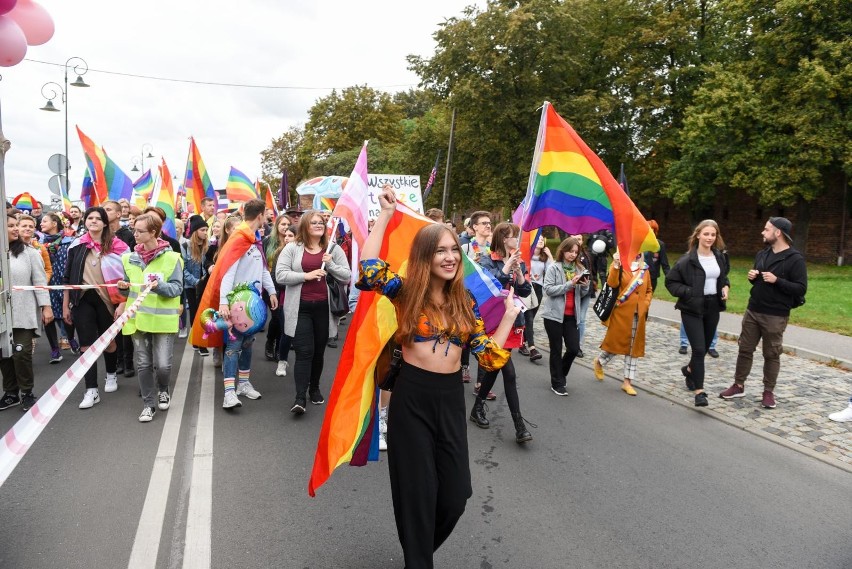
{"x":324,"y":204}
{"x":571,"y":188}
{"x":144,"y":186}
{"x":239,"y":188}
{"x":87,"y":192}
{"x":197,"y":181}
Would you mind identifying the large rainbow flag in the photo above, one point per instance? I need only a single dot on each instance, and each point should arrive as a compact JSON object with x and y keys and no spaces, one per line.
{"x":95,"y":160}
{"x":571,"y":188}
{"x":239,"y":188}
{"x":166,"y":199}
{"x":197,"y":182}
{"x":119,"y":184}
{"x":349,"y":432}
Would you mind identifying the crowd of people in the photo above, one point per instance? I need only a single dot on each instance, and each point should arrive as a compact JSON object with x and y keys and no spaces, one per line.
{"x":207,"y":284}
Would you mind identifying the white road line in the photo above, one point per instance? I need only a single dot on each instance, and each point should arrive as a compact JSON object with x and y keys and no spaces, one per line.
{"x":197,"y":552}
{"x":146,"y":545}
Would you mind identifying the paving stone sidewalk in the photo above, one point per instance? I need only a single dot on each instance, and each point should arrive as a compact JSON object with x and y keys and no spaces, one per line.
{"x":806,"y":393}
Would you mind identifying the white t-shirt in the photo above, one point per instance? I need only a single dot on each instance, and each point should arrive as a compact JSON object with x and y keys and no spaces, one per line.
{"x":712,"y":272}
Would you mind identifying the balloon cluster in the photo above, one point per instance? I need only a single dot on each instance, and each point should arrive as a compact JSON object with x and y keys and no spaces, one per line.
{"x":22,"y":23}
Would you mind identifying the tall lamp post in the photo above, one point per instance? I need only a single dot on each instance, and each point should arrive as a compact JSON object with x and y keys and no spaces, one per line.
{"x":79,"y":67}
{"x":145,"y":153}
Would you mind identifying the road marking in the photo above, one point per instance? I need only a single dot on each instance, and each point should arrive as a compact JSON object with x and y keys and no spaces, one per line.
{"x":146,"y":545}
{"x":197,"y":552}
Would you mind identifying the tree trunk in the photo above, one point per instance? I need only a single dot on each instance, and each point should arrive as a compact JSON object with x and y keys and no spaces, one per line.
{"x":803,"y":223}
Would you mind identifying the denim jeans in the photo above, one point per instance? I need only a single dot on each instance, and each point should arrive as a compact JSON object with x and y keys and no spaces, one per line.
{"x":684,"y":341}
{"x":153,"y":355}
{"x":237,"y":354}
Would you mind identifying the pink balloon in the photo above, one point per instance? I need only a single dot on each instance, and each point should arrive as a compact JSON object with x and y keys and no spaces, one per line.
{"x":13,"y":43}
{"x":34,"y":20}
{"x":6,"y":6}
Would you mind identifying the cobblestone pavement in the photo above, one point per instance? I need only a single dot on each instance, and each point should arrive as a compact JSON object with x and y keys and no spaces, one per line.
{"x":806,"y":393}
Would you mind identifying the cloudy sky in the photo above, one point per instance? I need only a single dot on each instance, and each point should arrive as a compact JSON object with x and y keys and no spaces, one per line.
{"x":303,"y":48}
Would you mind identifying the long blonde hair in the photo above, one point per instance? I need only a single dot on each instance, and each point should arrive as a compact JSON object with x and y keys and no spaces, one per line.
{"x":693,"y":239}
{"x":414,"y":298}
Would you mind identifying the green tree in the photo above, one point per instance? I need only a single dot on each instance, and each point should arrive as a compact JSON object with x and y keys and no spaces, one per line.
{"x":282,"y":155}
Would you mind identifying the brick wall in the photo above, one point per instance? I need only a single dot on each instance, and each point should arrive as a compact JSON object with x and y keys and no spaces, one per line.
{"x":741,"y":220}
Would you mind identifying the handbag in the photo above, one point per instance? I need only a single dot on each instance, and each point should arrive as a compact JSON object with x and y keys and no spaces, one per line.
{"x":338,"y":298}
{"x":388,"y":365}
{"x":605,"y":302}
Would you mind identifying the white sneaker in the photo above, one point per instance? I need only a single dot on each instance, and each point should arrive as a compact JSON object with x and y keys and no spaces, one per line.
{"x":184,"y":332}
{"x":111,"y":383}
{"x":245,"y":388}
{"x":844,"y":416}
{"x":231,"y":400}
{"x":383,"y":420}
{"x":147,"y":415}
{"x":383,"y":441}
{"x":281,"y":370}
{"x":90,"y":398}
{"x":164,"y":400}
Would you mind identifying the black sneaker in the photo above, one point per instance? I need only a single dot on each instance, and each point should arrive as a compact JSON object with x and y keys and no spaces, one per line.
{"x":298,"y":407}
{"x":535,"y":355}
{"x":701,"y":400}
{"x":682,"y":350}
{"x":561,"y":391}
{"x":269,"y":351}
{"x":690,"y":385}
{"x":119,"y":368}
{"x":712,"y":353}
{"x":316,"y":397}
{"x":9,"y":400}
{"x":129,"y":370}
{"x":27,"y":401}
{"x":332,"y":342}
{"x":203,"y":352}
{"x":524,"y":350}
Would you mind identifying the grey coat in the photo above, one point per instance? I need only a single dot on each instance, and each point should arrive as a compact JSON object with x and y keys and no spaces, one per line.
{"x":289,"y":274}
{"x":555,"y":287}
{"x":27,"y":269}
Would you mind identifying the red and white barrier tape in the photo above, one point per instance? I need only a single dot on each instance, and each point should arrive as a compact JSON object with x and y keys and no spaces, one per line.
{"x":18,"y":440}
{"x":69,"y":287}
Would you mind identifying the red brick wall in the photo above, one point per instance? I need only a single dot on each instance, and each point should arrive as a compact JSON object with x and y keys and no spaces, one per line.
{"x":741,"y":220}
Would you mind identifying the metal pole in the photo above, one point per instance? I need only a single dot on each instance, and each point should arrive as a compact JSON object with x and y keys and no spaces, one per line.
{"x":67,"y":159}
{"x":449,"y":159}
{"x":6,"y":286}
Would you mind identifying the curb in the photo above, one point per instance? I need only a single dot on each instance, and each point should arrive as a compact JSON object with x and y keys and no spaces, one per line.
{"x":832,"y":361}
{"x":724,"y":418}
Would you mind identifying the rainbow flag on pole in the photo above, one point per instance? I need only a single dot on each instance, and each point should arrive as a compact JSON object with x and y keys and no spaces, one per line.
{"x":166,"y":200}
{"x":197,"y":182}
{"x":96,"y":160}
{"x":144,"y":186}
{"x":571,"y":188}
{"x":239,"y":188}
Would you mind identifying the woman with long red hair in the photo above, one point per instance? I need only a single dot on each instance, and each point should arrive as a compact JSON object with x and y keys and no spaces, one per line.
{"x":427,"y":437}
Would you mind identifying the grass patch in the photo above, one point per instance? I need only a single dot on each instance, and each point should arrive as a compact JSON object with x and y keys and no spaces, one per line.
{"x":828,"y":304}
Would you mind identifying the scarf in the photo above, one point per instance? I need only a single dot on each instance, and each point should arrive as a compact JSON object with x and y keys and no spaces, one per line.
{"x":637,"y":281}
{"x":118,"y":247}
{"x":148,"y":255}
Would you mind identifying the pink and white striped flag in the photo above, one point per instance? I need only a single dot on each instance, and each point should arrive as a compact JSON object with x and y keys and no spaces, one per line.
{"x":353,"y":204}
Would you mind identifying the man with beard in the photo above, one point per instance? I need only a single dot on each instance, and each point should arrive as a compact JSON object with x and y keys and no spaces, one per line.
{"x":779,"y":281}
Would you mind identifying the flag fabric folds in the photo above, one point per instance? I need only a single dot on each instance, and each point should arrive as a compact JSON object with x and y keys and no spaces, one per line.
{"x":432,"y":175}
{"x":197,"y":181}
{"x":119,"y":184}
{"x":571,"y":188}
{"x":353,"y":203}
{"x":166,"y":200}
{"x":324,"y":204}
{"x":268,"y":198}
{"x":144,"y":186}
{"x":95,"y":160}
{"x":239,"y":188}
{"x":87,"y":192}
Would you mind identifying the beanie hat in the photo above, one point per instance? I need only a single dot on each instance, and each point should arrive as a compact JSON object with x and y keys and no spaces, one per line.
{"x":196,"y":222}
{"x":783,"y":225}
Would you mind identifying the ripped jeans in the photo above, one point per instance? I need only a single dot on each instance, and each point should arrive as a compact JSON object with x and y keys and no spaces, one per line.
{"x":237,"y":354}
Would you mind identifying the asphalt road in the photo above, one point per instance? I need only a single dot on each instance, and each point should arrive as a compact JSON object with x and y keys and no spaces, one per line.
{"x":609,"y":481}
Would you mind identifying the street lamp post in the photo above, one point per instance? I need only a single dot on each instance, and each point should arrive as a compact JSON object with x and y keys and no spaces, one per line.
{"x":146,"y":148}
{"x":79,"y":67}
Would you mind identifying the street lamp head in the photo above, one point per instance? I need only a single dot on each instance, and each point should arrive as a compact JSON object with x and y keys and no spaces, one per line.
{"x":79,"y":82}
{"x":134,"y":169}
{"x":149,"y":155}
{"x":48,"y":106}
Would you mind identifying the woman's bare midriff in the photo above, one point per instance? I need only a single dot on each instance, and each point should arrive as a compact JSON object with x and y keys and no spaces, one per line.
{"x":420,"y":354}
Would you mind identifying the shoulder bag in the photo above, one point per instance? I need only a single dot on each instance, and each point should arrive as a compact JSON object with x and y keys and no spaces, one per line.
{"x":605,"y":302}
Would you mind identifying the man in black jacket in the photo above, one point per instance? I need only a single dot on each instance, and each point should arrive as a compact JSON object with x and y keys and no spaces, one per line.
{"x":779,"y":281}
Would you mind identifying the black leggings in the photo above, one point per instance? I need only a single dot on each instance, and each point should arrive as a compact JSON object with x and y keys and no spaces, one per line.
{"x":700,"y":331}
{"x":309,"y":344}
{"x":50,"y":332}
{"x":559,"y":333}
{"x":427,"y":460}
{"x":510,"y":385}
{"x":92,"y":319}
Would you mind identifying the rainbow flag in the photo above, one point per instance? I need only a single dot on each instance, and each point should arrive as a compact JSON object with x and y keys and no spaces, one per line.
{"x":571,"y":188}
{"x":239,"y":188}
{"x":87,"y":192}
{"x":96,"y":161}
{"x":144,"y":186}
{"x":119,"y":185}
{"x":349,"y":431}
{"x":324,"y":204}
{"x":166,"y":199}
{"x":197,"y":181}
{"x":269,"y":199}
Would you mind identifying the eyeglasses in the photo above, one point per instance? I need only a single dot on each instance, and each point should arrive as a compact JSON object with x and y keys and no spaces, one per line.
{"x":488,"y":223}
{"x":317,"y":223}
